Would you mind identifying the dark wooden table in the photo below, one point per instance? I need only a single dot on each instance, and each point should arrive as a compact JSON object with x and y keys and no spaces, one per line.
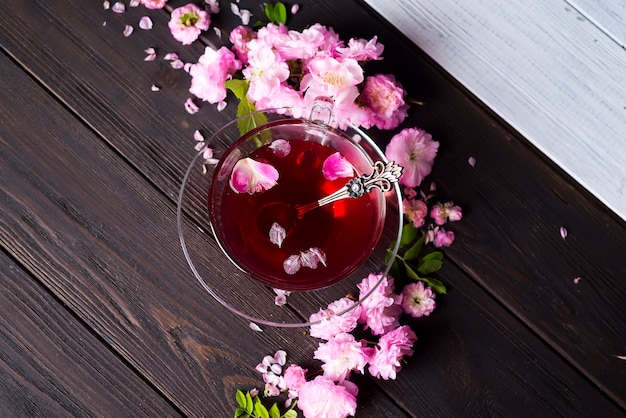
{"x":101,"y":316}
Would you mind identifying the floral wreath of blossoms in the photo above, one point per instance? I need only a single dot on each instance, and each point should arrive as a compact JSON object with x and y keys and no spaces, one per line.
{"x":274,"y":67}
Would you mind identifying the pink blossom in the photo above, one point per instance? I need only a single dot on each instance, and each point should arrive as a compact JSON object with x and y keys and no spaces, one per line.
{"x":300,"y":45}
{"x":295,"y":377}
{"x":277,"y":234}
{"x":335,"y":320}
{"x":416,"y":210}
{"x":154,"y":4}
{"x":240,"y":36}
{"x":362,"y":49}
{"x":187,"y":22}
{"x":380,"y":309}
{"x":322,"y":398}
{"x":336,"y":166}
{"x":390,"y":350}
{"x":384,"y":96}
{"x":415,"y":150}
{"x":250,"y":176}
{"x":330,"y":77}
{"x":440,"y":237}
{"x":341,"y":355}
{"x":265,"y":71}
{"x":417,"y":300}
{"x":210,"y":72}
{"x":442,"y":213}
{"x":145,"y":23}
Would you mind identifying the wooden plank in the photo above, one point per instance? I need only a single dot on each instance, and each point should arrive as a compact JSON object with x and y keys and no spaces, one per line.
{"x":103,"y":240}
{"x":474,"y":358}
{"x":463,"y":127}
{"x":608,"y":15}
{"x":544,"y":68}
{"x":51,"y":365}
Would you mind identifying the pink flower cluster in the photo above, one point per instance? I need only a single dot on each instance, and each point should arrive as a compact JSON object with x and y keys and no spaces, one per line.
{"x":415,"y":150}
{"x":290,"y":69}
{"x":379,"y":309}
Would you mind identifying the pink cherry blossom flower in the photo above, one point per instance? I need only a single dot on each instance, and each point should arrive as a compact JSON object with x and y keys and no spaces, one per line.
{"x":341,"y":355}
{"x":322,"y":398}
{"x":240,"y":37}
{"x":416,"y":210}
{"x":340,"y":316}
{"x":380,"y":306}
{"x":154,"y":4}
{"x":390,"y":350}
{"x":330,"y":77}
{"x":300,"y":45}
{"x":187,"y":22}
{"x":441,"y":213}
{"x":295,"y":377}
{"x":414,"y":150}
{"x":336,"y":166}
{"x":440,"y":237}
{"x":250,"y":176}
{"x":384,"y":96}
{"x":417,"y":300}
{"x":266,"y":72}
{"x":210,"y":72}
{"x":362,"y":49}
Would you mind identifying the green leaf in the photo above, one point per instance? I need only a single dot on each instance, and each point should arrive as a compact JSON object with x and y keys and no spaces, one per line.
{"x":280,"y":13}
{"x":274,"y":412}
{"x":260,"y":410}
{"x":238,"y":87}
{"x":241,"y":413}
{"x":437,"y":286}
{"x":291,"y":414}
{"x":249,"y":403}
{"x":431,"y":263}
{"x":269,"y":11}
{"x":241,"y":398}
{"x":409,"y":232}
{"x":411,"y":274}
{"x":415,"y":250}
{"x":253,"y":120}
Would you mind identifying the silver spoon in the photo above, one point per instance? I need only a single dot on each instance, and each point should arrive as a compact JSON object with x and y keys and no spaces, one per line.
{"x":383,"y":176}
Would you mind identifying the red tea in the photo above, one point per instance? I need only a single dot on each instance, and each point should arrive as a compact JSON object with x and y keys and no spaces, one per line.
{"x":344,"y":232}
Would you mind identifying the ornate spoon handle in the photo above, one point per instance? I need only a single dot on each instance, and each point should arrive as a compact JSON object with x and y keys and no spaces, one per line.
{"x":383,"y":176}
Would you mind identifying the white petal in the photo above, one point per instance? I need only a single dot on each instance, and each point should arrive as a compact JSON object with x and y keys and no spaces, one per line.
{"x":198,"y":136}
{"x":134,"y":3}
{"x":145,"y":23}
{"x":177,"y":64}
{"x":471,"y":161}
{"x":292,"y":264}
{"x":106,"y":4}
{"x":255,"y":327}
{"x":217,"y":31}
{"x":295,"y":8}
{"x":277,"y":234}
{"x":563,"y":232}
{"x":128,"y":30}
{"x":119,"y":7}
{"x":154,"y":87}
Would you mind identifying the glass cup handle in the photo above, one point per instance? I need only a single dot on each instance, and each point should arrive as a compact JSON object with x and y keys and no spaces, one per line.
{"x":322,"y":110}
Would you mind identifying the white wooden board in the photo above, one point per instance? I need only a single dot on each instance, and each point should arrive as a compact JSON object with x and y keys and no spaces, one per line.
{"x":554,"y":70}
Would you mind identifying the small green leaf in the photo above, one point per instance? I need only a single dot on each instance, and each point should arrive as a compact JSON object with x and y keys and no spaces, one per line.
{"x":269,"y":11}
{"x":415,"y":250}
{"x":260,"y":410}
{"x":253,"y":120}
{"x":409,"y":232}
{"x":437,"y":286}
{"x":274,"y":412}
{"x":280,"y":13}
{"x":241,"y":413}
{"x":238,"y":87}
{"x":431,"y":263}
{"x":241,"y":398}
{"x":249,"y":403}
{"x":291,"y":414}
{"x":411,"y":274}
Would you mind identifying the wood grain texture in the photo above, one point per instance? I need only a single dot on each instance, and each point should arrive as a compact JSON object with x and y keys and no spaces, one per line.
{"x":608,"y":15}
{"x":103,"y":171}
{"x":51,"y":365}
{"x":553,"y":75}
